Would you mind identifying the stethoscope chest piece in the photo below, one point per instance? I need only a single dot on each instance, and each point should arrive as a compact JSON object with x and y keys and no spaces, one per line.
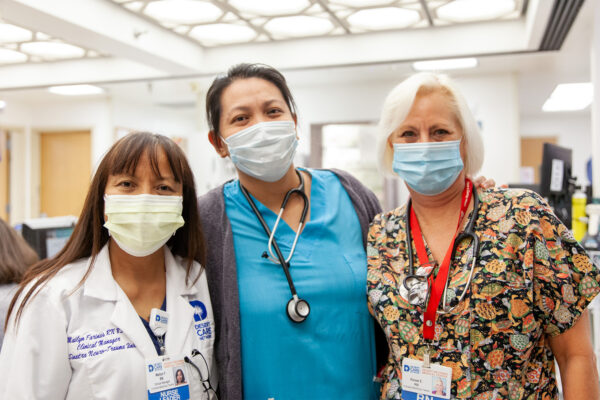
{"x":297,"y":309}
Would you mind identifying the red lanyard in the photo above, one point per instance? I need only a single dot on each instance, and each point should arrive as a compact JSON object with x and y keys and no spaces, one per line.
{"x":441,"y":278}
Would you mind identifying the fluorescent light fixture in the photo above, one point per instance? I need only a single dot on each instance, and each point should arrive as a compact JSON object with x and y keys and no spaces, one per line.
{"x":475,"y":10}
{"x":270,"y":7}
{"x":183,"y":11}
{"x":384,"y":18}
{"x":13,"y":34}
{"x":214,"y":34}
{"x":76,"y":90}
{"x":570,"y":97}
{"x":52,"y":50}
{"x":11,"y":57}
{"x":298,"y":26}
{"x":451,"y":63}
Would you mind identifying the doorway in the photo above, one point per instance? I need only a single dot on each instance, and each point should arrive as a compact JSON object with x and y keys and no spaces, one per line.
{"x":65,"y":172}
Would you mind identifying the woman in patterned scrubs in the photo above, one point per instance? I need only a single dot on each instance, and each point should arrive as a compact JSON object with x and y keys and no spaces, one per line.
{"x":526,"y":303}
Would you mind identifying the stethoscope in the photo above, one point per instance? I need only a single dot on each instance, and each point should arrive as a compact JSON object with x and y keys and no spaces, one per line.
{"x":417,"y":285}
{"x":297,"y":308}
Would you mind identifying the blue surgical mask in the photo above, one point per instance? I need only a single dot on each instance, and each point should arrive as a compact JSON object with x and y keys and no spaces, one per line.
{"x":428,"y":168}
{"x":265,"y":150}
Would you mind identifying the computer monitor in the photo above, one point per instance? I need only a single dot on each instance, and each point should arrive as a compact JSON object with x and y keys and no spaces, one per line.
{"x":47,"y":236}
{"x":556,"y":182}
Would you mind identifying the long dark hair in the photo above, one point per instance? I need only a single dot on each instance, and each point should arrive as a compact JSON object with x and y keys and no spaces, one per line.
{"x":15,"y":255}
{"x":89,"y":235}
{"x":242,"y":71}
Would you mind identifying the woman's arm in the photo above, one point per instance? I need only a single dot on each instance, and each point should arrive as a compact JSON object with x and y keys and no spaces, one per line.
{"x":576,"y":360}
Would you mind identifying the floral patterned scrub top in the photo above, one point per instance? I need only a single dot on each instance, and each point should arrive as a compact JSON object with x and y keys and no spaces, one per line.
{"x":532,"y":280}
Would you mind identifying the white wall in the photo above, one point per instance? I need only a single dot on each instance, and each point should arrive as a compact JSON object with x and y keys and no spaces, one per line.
{"x":573,"y":131}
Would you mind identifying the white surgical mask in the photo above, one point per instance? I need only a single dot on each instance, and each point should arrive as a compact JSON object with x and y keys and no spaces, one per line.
{"x":265,"y":150}
{"x":143,"y":223}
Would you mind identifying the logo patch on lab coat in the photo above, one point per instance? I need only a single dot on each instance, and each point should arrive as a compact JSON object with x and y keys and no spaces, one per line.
{"x":203,"y":328}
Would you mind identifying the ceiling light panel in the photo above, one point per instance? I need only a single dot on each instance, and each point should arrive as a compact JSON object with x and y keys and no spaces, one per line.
{"x":222,"y":22}
{"x":383,"y":18}
{"x":184,"y":12}
{"x":218,"y":34}
{"x":461,"y":11}
{"x":570,"y":97}
{"x":14,"y":34}
{"x":20,"y":45}
{"x":52,"y":50}
{"x":270,"y":8}
{"x":298,"y":26}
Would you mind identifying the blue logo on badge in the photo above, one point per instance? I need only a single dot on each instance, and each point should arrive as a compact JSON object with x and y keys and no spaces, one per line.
{"x":157,"y":318}
{"x":200,"y":312}
{"x":406,"y":368}
{"x":150,"y":368}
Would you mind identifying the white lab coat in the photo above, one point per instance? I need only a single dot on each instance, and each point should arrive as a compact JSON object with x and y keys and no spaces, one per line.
{"x":45,"y":357}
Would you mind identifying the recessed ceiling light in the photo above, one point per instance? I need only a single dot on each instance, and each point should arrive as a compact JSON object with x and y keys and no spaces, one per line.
{"x":52,"y":50}
{"x":384,"y":18}
{"x":299,"y":26}
{"x":76,"y":90}
{"x":2,"y":105}
{"x":214,"y":34}
{"x":270,"y":7}
{"x":570,"y":97}
{"x":11,"y":57}
{"x":452,"y":63}
{"x":361,"y":3}
{"x":14,"y":34}
{"x":475,"y":10}
{"x":183,"y":11}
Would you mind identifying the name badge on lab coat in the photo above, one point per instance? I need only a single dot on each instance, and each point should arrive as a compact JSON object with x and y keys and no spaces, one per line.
{"x":161,"y":378}
{"x":422,"y":383}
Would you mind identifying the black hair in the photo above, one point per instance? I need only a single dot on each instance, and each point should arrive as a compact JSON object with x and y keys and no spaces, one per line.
{"x":242,"y":71}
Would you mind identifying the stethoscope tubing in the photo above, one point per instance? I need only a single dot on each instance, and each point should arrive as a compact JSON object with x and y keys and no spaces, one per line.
{"x":467,"y":233}
{"x":272,"y":242}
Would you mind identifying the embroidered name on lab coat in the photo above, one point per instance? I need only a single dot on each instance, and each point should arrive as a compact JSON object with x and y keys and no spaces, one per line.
{"x":94,"y":344}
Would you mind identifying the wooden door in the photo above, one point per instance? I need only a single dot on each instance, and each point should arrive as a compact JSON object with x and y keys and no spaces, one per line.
{"x":532,"y":149}
{"x":4,"y":175}
{"x":66,"y":170}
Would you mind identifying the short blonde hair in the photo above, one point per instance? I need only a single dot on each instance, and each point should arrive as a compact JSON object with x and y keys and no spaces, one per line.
{"x":399,"y":102}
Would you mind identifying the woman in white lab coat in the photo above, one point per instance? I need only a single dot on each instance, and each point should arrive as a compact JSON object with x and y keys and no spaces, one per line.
{"x":80,"y":327}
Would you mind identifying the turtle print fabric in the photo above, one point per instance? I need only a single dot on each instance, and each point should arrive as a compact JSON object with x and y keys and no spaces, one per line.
{"x":532,"y":280}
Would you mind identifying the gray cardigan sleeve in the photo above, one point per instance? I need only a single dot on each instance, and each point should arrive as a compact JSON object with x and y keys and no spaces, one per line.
{"x":222,"y":283}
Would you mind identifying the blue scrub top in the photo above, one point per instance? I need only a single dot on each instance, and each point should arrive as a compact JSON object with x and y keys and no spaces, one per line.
{"x":331,"y":355}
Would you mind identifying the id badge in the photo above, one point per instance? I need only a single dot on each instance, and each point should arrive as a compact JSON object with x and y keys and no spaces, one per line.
{"x":167,"y":378}
{"x":421,"y":383}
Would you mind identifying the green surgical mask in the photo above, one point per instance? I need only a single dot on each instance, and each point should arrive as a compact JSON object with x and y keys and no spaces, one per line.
{"x":143,"y":223}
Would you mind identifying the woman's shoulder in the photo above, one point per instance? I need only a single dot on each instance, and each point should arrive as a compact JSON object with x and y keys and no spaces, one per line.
{"x":390,"y":220}
{"x":502,"y":201}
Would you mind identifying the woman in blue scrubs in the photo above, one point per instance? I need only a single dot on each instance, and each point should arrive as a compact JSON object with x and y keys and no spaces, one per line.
{"x":262,"y":352}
